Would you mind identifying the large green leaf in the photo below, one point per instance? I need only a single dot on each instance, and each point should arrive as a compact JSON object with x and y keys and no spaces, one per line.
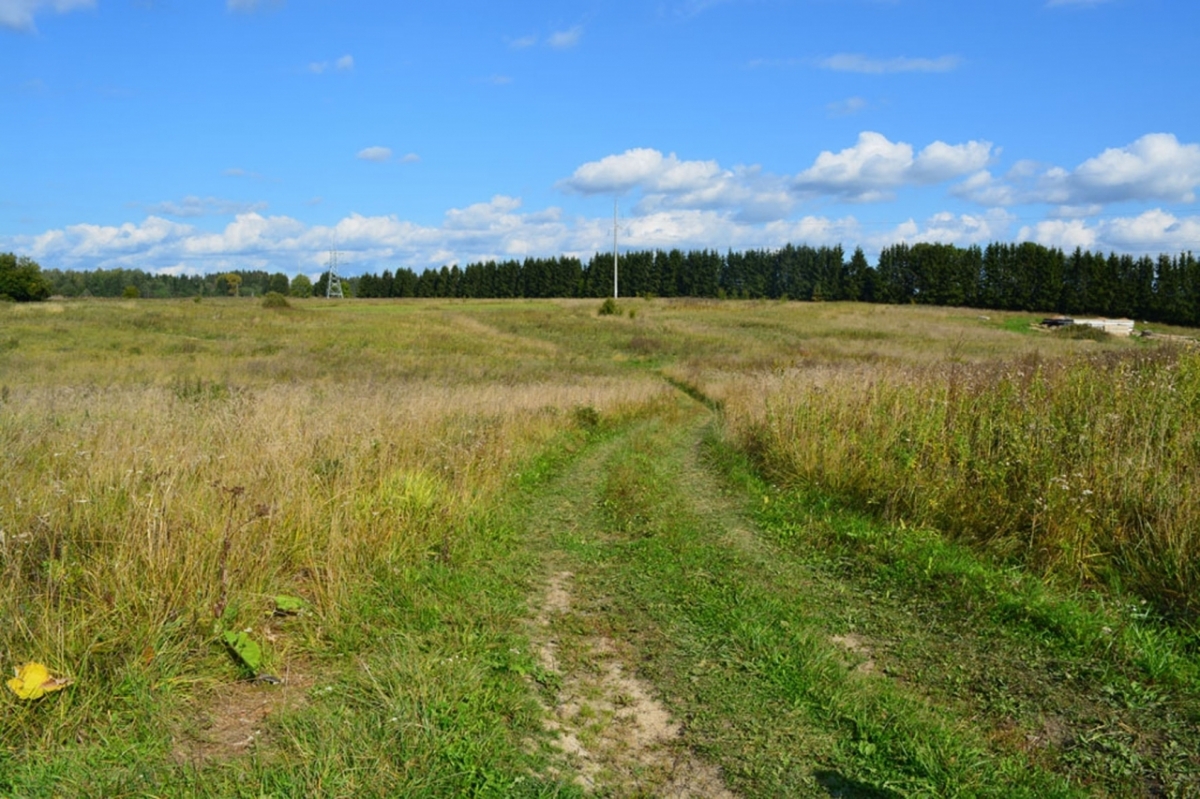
{"x":245,"y":648}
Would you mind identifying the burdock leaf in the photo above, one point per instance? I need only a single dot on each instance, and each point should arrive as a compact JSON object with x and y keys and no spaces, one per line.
{"x":288,"y":605}
{"x":245,"y":648}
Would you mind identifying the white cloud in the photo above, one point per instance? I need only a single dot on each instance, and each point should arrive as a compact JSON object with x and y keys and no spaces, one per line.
{"x":377,"y":154}
{"x":1150,"y":233}
{"x":854,"y":62}
{"x":523,"y":42}
{"x":496,"y":229}
{"x":410,"y":158}
{"x":946,"y":228}
{"x":1156,"y":167}
{"x":564,"y":40}
{"x":1066,"y":234}
{"x":847,"y":107}
{"x":18,"y":14}
{"x":985,"y":189}
{"x":666,"y":182}
{"x":642,"y":167}
{"x":874,"y":167}
{"x":500,"y":228}
{"x":343,"y":64}
{"x":193,"y":206}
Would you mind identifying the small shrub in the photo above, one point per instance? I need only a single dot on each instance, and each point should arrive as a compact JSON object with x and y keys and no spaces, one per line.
{"x":274,"y":299}
{"x":609,"y":308}
{"x":586,"y":417}
{"x":131,"y":293}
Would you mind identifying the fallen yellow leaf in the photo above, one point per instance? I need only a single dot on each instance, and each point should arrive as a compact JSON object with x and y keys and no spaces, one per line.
{"x":33,"y":681}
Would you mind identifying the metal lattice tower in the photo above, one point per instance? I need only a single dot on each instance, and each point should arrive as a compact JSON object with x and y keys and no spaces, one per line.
{"x":333,"y":287}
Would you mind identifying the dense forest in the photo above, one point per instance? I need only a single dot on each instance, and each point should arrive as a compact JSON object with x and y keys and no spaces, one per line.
{"x":1021,"y":277}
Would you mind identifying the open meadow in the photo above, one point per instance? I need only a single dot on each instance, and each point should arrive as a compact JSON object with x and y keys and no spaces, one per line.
{"x":518,"y":548}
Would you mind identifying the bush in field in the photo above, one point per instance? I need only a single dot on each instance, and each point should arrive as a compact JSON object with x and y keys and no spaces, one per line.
{"x":609,"y":308}
{"x":274,"y":299}
{"x":21,"y":279}
{"x":131,"y":293}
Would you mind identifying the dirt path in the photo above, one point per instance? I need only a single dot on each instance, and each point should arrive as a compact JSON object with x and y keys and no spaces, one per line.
{"x":615,"y":733}
{"x":611,"y":728}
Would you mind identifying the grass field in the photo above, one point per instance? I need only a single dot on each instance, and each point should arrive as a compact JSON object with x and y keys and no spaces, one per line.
{"x":696,"y":548}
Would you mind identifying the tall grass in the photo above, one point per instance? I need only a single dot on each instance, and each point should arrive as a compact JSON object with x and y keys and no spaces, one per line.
{"x":144,"y":508}
{"x":1085,"y":468}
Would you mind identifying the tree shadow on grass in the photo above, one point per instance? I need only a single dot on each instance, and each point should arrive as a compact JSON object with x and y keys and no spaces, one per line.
{"x":845,"y":788}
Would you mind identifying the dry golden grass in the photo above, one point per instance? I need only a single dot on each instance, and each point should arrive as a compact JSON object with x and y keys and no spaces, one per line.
{"x":170,"y":467}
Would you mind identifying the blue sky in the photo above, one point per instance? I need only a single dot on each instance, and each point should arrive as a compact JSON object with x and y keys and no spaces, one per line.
{"x":203,"y":135}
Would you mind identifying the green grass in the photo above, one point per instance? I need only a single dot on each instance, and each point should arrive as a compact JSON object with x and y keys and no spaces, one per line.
{"x":1080,"y":468}
{"x":413,"y":470}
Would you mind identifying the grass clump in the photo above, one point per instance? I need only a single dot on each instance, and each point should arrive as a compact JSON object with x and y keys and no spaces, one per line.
{"x":609,"y":308}
{"x":273,"y":299}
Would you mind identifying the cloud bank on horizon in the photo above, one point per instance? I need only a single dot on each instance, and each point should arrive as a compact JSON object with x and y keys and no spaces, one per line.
{"x":526,"y":166}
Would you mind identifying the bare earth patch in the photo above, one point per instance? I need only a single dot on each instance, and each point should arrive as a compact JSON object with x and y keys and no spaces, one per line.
{"x":857,"y":645}
{"x":232,"y":720}
{"x":615,"y":733}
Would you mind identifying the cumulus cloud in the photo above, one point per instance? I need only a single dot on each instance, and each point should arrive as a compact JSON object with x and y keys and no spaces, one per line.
{"x":1156,"y":167}
{"x":873,"y":168}
{"x":948,"y":228}
{"x":193,"y":206}
{"x":640,"y":167}
{"x":564,"y":40}
{"x":19,"y":14}
{"x":855,"y":62}
{"x":499,"y":228}
{"x":667,"y":182}
{"x":379,"y":155}
{"x":1150,"y":232}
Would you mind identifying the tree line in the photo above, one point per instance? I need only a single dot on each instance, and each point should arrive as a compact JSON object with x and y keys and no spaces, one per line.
{"x":1012,"y":277}
{"x":1015,"y":277}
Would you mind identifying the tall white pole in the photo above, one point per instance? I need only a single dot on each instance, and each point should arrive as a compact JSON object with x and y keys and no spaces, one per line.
{"x":614,"y":248}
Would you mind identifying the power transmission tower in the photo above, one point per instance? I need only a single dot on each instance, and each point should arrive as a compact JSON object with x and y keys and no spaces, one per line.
{"x":333,"y":287}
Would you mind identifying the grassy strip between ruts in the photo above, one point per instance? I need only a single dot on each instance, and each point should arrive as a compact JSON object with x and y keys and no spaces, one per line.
{"x":804,"y":667}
